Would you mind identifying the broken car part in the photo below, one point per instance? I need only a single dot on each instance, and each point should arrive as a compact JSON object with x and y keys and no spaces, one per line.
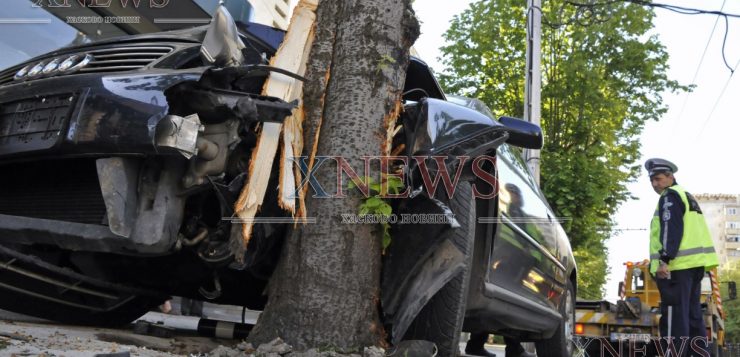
{"x":222,"y":46}
{"x":179,"y":133}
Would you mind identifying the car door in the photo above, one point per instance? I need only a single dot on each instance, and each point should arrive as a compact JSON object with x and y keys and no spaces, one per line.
{"x":525,"y":250}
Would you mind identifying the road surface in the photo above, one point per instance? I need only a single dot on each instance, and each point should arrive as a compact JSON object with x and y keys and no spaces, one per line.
{"x":22,"y":335}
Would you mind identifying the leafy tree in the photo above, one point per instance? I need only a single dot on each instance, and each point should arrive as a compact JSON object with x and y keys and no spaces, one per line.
{"x":603,"y":76}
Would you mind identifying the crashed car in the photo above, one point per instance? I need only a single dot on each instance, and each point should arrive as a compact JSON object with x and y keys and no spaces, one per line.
{"x":121,"y":158}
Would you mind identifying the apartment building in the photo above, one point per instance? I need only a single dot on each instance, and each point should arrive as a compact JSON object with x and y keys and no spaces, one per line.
{"x":722,"y":212}
{"x":275,"y":13}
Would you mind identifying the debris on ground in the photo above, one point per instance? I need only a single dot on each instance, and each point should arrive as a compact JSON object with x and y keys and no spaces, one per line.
{"x":278,"y":348}
{"x":49,"y":339}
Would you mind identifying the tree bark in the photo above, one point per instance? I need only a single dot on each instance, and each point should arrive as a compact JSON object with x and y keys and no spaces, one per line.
{"x":325,"y":289}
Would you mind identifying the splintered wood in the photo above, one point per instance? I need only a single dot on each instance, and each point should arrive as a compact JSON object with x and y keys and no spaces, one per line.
{"x":291,"y":56}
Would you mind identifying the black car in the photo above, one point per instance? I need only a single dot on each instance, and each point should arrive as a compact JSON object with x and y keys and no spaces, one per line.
{"x":121,"y":158}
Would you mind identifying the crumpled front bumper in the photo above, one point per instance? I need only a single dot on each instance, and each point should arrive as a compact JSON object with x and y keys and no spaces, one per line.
{"x":99,"y":130}
{"x":88,"y":114}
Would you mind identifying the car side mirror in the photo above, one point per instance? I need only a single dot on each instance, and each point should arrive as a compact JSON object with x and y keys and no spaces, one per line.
{"x":522,"y":133}
{"x":732,"y":290}
{"x":620,"y":289}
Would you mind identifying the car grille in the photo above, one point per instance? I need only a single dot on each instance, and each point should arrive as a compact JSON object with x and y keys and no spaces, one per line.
{"x":124,"y":58}
{"x":106,"y":59}
{"x":62,"y":190}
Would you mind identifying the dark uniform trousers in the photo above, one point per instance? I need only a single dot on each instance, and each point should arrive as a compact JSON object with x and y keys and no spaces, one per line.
{"x":683,"y":293}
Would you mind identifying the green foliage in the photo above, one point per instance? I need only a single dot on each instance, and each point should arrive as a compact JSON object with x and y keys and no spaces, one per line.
{"x":376,"y":205}
{"x":591,"y":286}
{"x":601,"y":83}
{"x":731,"y":307}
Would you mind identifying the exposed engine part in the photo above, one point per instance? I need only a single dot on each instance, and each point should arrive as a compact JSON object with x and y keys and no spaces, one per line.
{"x":207,"y":150}
{"x":216,"y":293}
{"x":180,"y":133}
{"x":228,"y":194}
{"x":215,"y":142}
{"x":216,"y":253}
{"x":202,"y":234}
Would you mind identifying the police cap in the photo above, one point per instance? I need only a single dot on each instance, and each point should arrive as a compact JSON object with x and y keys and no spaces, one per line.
{"x":658,"y":166}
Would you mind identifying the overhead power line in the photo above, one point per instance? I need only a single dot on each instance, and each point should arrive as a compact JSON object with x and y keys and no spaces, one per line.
{"x":716,"y":103}
{"x":698,"y":67}
{"x":674,"y":8}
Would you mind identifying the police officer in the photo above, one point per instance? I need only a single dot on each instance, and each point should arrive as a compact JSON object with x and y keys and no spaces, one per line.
{"x":681,"y":250}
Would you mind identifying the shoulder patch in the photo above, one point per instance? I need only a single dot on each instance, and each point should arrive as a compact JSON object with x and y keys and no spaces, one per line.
{"x":693,"y":204}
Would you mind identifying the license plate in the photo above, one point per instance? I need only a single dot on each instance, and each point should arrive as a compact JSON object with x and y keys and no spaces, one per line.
{"x":33,"y":124}
{"x":616,"y":336}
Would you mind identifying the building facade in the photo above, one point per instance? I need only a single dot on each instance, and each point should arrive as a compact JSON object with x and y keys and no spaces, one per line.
{"x":275,"y":13}
{"x":722,"y":212}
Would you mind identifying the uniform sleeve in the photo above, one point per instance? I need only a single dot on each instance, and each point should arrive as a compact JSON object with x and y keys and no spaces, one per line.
{"x":671,"y":224}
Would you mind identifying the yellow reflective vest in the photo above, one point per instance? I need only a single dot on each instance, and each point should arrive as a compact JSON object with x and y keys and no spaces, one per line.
{"x":696,"y":248}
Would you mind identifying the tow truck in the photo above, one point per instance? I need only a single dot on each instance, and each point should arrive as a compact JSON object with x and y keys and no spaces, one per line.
{"x":636,"y":315}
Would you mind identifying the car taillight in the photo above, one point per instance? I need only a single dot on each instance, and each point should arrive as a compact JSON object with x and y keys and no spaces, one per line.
{"x":579,"y":329}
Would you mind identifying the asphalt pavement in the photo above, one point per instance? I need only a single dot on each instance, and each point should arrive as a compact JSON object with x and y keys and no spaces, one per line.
{"x":23,"y":335}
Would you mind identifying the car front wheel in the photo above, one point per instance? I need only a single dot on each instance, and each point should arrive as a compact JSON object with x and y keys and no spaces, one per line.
{"x":441,"y":319}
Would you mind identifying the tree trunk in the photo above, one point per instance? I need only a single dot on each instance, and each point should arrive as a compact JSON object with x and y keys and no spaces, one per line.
{"x":325,"y":290}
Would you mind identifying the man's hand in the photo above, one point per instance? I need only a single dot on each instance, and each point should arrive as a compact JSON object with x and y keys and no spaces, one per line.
{"x":663,"y":272}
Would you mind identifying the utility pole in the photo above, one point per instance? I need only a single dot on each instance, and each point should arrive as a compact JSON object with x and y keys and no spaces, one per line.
{"x":533,"y":82}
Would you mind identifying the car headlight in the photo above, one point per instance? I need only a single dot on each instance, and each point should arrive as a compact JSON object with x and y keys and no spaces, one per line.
{"x":22,"y":72}
{"x":51,"y":67}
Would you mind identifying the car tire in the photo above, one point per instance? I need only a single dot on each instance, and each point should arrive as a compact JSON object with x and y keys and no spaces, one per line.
{"x":560,"y":344}
{"x":441,"y":319}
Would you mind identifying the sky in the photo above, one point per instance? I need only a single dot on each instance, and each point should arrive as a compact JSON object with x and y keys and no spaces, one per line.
{"x":699,"y":133}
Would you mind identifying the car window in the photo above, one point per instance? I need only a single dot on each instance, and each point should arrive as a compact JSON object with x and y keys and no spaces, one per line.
{"x":517,"y":197}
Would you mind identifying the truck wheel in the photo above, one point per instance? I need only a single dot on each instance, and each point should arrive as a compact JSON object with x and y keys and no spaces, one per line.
{"x":560,"y":344}
{"x":441,"y":319}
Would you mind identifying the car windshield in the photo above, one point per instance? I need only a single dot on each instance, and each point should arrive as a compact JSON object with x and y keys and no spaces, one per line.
{"x":29,"y":28}
{"x":471,"y":103}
